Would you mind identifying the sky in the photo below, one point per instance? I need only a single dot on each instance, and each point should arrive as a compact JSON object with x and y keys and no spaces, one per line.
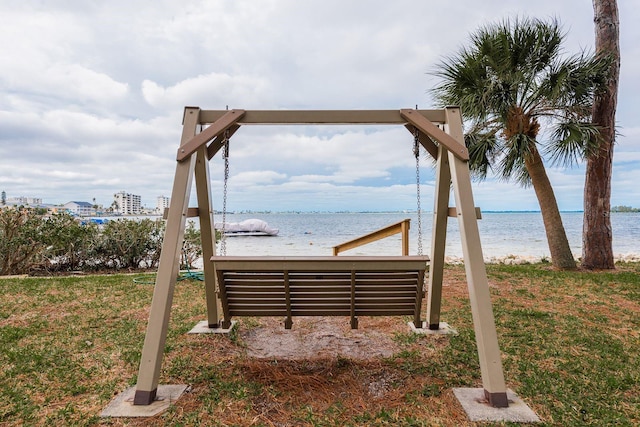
{"x":92,"y":97}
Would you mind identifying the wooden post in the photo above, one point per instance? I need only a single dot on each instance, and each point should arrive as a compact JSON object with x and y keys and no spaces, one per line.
{"x":438,"y":238}
{"x":483,"y":322}
{"x":168,"y":268}
{"x":207,"y":234}
{"x":354,"y":317}
{"x":405,"y":237}
{"x":288,"y":321}
{"x":417,"y":321}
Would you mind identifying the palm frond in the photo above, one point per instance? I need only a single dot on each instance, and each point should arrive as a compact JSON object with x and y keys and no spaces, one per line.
{"x":483,"y":149}
{"x":512,"y":165}
{"x":571,"y":84}
{"x":573,"y":141}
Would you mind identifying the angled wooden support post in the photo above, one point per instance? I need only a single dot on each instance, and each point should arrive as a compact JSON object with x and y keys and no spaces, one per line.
{"x":168,"y":268}
{"x":483,"y":321}
{"x":438,"y":238}
{"x":207,"y":235}
{"x":425,"y":126}
{"x":226,"y":122}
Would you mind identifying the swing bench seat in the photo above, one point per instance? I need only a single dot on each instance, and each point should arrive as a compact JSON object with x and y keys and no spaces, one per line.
{"x":320,"y":286}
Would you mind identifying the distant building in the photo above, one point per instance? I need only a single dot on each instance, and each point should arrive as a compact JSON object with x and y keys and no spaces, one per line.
{"x":126,"y":203}
{"x":162,"y":203}
{"x":23,"y":201}
{"x":80,"y":208}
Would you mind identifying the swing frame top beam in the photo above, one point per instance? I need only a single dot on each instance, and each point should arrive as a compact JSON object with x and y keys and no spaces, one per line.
{"x":228,"y":121}
{"x":328,"y":117}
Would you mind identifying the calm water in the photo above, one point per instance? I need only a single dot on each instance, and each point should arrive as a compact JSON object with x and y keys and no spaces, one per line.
{"x":502,"y":234}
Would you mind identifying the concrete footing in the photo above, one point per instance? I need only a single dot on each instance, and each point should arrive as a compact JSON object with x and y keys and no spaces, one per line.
{"x":443,"y":329}
{"x":477,"y":407}
{"x":122,"y":405}
{"x":203,"y":328}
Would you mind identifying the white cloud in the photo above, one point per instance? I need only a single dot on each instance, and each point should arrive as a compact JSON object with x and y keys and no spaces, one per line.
{"x":318,"y":179}
{"x":42,"y":55}
{"x":67,"y":175}
{"x":257,"y":178}
{"x":212,"y":89}
{"x":626,"y":158}
{"x":92,"y":95}
{"x":77,"y":82}
{"x":341,"y":156}
{"x":13,"y":180}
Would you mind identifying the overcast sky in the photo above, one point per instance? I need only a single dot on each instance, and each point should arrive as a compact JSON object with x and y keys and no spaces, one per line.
{"x":92,"y":97}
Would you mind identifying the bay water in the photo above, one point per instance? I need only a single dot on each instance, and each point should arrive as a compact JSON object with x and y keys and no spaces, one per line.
{"x":505,"y":236}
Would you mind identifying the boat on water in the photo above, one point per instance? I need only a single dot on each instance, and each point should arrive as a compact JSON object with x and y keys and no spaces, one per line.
{"x":248,"y":227}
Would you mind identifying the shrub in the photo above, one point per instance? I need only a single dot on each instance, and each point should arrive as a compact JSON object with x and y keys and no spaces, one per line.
{"x":31,"y":242}
{"x":70,"y":245}
{"x":130,"y":244}
{"x":20,"y":243}
{"x":192,"y":246}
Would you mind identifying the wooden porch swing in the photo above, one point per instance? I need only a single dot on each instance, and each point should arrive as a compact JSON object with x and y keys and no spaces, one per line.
{"x":274,"y":286}
{"x":323,"y":286}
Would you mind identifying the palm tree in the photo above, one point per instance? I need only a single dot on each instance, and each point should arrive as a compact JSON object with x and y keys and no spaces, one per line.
{"x":509,"y":83}
{"x":597,"y":237}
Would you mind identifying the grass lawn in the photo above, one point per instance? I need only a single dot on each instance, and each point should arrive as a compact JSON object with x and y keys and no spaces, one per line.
{"x":570,"y":343}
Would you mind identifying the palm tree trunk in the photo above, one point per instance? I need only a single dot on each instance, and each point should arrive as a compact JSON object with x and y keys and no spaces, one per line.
{"x":597,"y":237}
{"x":561,"y":256}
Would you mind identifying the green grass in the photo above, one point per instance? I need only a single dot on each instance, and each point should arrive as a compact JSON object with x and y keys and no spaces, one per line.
{"x":570,"y":343}
{"x":575,"y":346}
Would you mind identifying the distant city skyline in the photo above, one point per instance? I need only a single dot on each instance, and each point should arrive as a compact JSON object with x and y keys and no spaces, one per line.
{"x":31,"y":200}
{"x":159,"y":206}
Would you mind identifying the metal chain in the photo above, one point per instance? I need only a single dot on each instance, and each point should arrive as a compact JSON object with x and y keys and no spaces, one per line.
{"x":416,"y":153}
{"x":225,"y":156}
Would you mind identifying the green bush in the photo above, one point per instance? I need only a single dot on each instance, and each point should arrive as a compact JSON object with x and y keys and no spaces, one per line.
{"x":70,"y":245}
{"x":31,"y":242}
{"x":129,"y":244}
{"x":20,"y":242}
{"x":192,"y":247}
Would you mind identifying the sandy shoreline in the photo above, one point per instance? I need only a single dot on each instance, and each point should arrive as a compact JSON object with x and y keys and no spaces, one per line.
{"x":506,"y":259}
{"x":528,"y":259}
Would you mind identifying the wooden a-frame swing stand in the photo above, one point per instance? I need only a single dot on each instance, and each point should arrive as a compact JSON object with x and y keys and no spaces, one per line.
{"x":446,"y":146}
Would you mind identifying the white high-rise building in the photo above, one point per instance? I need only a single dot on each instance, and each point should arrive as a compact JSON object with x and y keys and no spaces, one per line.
{"x":127,"y":203}
{"x":162,"y":203}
